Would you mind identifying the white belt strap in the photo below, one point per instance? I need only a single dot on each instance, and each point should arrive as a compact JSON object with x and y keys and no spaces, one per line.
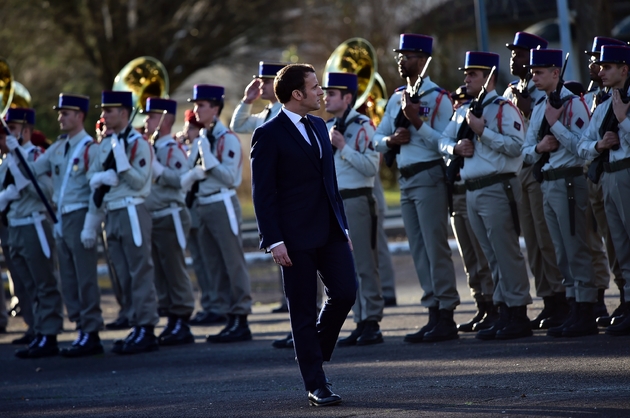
{"x":173,"y":210}
{"x":123,"y":203}
{"x":130,"y":203}
{"x":35,"y":219}
{"x":71,"y":207}
{"x":224,"y":195}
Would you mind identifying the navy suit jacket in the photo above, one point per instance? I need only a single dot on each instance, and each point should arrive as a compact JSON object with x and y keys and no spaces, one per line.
{"x":293,"y":191}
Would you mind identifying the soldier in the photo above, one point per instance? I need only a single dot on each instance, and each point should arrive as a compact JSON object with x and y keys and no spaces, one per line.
{"x":607,"y":139}
{"x":604,"y":256}
{"x":356,"y":164}
{"x":261,"y":87}
{"x":216,"y":163}
{"x":540,"y":252}
{"x":492,"y":160}
{"x":478,"y":274}
{"x":68,"y":159}
{"x":171,"y":221}
{"x":551,"y":147}
{"x":30,"y":236}
{"x":128,"y":225}
{"x":414,"y":129}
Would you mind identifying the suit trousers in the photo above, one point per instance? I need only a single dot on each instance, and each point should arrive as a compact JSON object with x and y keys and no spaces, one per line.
{"x":616,"y":187}
{"x":425,"y":215}
{"x":134,"y":265}
{"x":369,"y":304}
{"x":385,"y":266}
{"x":476,"y":266}
{"x":39,"y":276}
{"x":224,"y":259}
{"x":572,"y":251}
{"x":77,"y":271}
{"x":315,"y":336}
{"x":170,"y":264}
{"x":491,"y":220}
{"x":540,"y":251}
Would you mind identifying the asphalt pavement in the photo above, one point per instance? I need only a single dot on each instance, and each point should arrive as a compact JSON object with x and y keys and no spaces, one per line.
{"x":536,"y":376}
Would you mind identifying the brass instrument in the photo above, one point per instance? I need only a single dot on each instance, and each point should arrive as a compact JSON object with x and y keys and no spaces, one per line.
{"x":6,"y":87}
{"x":21,"y":96}
{"x":357,"y":55}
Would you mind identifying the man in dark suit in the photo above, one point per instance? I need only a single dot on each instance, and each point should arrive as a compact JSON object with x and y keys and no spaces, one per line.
{"x":301,"y":221}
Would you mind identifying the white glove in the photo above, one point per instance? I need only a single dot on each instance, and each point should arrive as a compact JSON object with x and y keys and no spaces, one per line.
{"x":8,"y":195}
{"x":108,"y":177}
{"x":91,"y":224}
{"x":208,"y":160}
{"x":158,"y":168}
{"x":190,"y":177}
{"x":122,"y":162}
{"x":12,"y":143}
{"x":20,"y":181}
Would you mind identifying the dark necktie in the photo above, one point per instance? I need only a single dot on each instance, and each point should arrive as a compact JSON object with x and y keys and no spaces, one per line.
{"x":267,"y":112}
{"x":311,"y":136}
{"x":66,"y":149}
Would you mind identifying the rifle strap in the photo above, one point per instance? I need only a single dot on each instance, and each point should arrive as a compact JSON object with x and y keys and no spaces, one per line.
{"x":571,"y":201}
{"x":507,"y":187}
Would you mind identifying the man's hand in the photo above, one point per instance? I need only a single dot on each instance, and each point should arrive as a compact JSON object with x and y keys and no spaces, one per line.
{"x":523,"y":104}
{"x":464,"y":147}
{"x":610,"y":140}
{"x":552,"y":114}
{"x":400,"y":137}
{"x":411,"y":110}
{"x":252,"y":91}
{"x":336,"y":139}
{"x":476,"y":124}
{"x":619,"y":107}
{"x":548,"y":144}
{"x":281,"y":256}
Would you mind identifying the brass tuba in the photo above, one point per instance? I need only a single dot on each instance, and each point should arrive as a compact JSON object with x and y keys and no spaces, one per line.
{"x":357,"y":56}
{"x":21,"y":96}
{"x":144,"y":77}
{"x":6,"y":87}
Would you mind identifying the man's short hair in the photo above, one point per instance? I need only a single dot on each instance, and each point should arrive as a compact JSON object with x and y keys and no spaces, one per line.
{"x":291,"y":78}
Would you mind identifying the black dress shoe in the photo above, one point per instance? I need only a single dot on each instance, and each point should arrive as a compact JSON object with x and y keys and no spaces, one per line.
{"x":389,"y":302}
{"x":371,"y":334}
{"x":89,"y":345}
{"x":323,"y":397}
{"x":25,"y":339}
{"x":236,"y":330}
{"x":353,"y":337}
{"x":42,"y":346}
{"x":286,"y":342}
{"x":143,"y":342}
{"x":120,"y":323}
{"x":416,"y":337}
{"x":281,"y":309}
{"x":177,"y":332}
{"x":207,"y":318}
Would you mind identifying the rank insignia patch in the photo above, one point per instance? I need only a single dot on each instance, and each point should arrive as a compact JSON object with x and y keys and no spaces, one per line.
{"x":178,"y":165}
{"x":231,"y":154}
{"x":142,"y":162}
{"x":579,"y":123}
{"x":517,"y":126}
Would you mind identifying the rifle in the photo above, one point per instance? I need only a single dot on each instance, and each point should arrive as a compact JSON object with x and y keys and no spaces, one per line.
{"x":31,"y":176}
{"x":545,"y":129}
{"x":609,"y":124}
{"x":341,"y":126}
{"x":110,"y":162}
{"x":464,"y":132}
{"x":401,"y":121}
{"x":156,"y":134}
{"x":524,"y":91}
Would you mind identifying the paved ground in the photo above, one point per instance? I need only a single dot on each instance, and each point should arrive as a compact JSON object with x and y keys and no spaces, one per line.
{"x":537,"y":376}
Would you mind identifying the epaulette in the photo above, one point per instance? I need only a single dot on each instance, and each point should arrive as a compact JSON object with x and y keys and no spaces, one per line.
{"x":498,"y":100}
{"x":62,"y":137}
{"x":541,"y":100}
{"x":401,"y":88}
{"x":361,"y":119}
{"x":330,"y":120}
{"x":513,"y":83}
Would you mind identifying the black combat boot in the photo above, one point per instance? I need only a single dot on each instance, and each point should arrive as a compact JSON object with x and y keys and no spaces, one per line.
{"x":571,"y":319}
{"x":144,"y":341}
{"x":41,"y":346}
{"x":518,"y":325}
{"x":561,"y":314}
{"x":481,"y":311}
{"x":488,"y":320}
{"x":416,"y":337}
{"x":89,"y":345}
{"x":490,"y":333}
{"x":599,"y":309}
{"x":25,"y":339}
{"x":605,"y":321}
{"x":371,"y":334}
{"x":353,"y":337}
{"x":444,"y":330}
{"x":621,"y":324}
{"x":119,"y":343}
{"x":586,"y":323}
{"x":177,"y":332}
{"x":548,"y":310}
{"x":238,"y":331}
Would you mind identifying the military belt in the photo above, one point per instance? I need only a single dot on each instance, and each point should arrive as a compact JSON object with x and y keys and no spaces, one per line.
{"x":413,"y":169}
{"x":612,"y":166}
{"x":481,"y":182}
{"x":352,"y":193}
{"x":562,"y":173}
{"x":71,"y":207}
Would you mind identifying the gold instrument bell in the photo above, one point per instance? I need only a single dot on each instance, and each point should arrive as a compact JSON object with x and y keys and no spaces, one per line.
{"x":357,"y":56}
{"x":6,"y":87}
{"x":21,"y":96}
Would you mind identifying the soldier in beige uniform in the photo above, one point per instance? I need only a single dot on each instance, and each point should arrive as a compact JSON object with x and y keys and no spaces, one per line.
{"x":30,"y":237}
{"x":216,"y":165}
{"x":171,"y":221}
{"x":356,"y":164}
{"x":128,"y":224}
{"x":491,"y":160}
{"x":68,"y":159}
